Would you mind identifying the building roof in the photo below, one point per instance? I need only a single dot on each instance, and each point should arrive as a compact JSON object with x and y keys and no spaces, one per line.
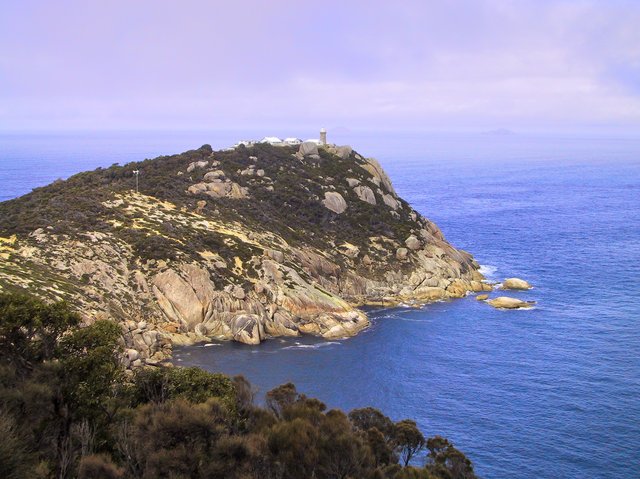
{"x":271,"y":139}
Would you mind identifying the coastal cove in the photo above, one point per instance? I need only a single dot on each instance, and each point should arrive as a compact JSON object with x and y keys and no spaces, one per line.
{"x":518,"y":390}
{"x":546,"y":392}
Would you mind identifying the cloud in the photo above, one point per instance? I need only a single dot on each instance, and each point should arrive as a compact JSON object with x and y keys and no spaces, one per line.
{"x":196,"y":64}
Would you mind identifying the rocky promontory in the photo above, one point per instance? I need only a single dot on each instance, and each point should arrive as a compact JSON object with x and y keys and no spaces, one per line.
{"x":242,"y":244}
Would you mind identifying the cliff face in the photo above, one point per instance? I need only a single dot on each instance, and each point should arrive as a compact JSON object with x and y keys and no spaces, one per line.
{"x":241,"y":244}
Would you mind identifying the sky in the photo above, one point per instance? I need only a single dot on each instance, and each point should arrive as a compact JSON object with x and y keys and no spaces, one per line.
{"x":536,"y":65}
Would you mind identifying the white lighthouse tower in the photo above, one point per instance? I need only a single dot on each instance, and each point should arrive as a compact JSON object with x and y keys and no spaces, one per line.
{"x":323,"y":136}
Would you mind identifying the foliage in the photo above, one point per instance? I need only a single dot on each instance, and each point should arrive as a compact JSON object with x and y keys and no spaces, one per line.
{"x":285,"y":201}
{"x":445,"y":458}
{"x":408,"y":439}
{"x":74,"y":413}
{"x":368,"y":418}
{"x":30,"y":329}
{"x":192,"y":384}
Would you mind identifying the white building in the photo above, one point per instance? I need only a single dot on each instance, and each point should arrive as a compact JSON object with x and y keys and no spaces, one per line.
{"x":272,"y":140}
{"x":291,"y":141}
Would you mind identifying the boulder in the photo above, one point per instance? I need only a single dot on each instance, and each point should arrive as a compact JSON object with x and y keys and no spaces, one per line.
{"x":282,"y":324}
{"x":177,"y":299}
{"x":334,"y":201}
{"x":353,"y":182}
{"x":458,"y":288}
{"x":402,"y":253}
{"x":150,"y":338}
{"x":349,"y":250}
{"x":413,"y":243}
{"x":365,"y":194}
{"x":196,"y":164}
{"x":375,"y":169}
{"x":132,"y":354}
{"x":275,"y":255}
{"x":238,"y":292}
{"x":218,"y":190}
{"x":391,"y":202}
{"x":214,"y":175}
{"x":344,"y":151}
{"x":308,"y":148}
{"x":197,"y":188}
{"x":246,"y":329}
{"x":515,"y":283}
{"x":482,"y":297}
{"x":505,"y":302}
{"x":238,"y":192}
{"x":429,"y":293}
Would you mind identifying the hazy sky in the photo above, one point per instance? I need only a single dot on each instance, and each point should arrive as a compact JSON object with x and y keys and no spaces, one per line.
{"x":147,"y":64}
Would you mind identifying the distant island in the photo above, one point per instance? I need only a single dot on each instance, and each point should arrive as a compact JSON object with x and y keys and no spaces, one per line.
{"x":243,"y":244}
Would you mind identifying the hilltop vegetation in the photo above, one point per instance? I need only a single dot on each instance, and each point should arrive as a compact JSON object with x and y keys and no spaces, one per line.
{"x":69,"y":409}
{"x":290,"y":208}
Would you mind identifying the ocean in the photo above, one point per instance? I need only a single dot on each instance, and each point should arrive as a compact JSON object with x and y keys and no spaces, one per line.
{"x":551,"y":392}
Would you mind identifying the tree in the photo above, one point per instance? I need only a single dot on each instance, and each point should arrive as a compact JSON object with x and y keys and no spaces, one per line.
{"x":15,"y":458}
{"x":380,"y":448}
{"x":408,"y":439}
{"x":67,"y":409}
{"x":281,"y":397}
{"x":175,"y":438}
{"x":447,"y":461}
{"x":342,"y":453}
{"x":244,"y":392}
{"x":88,"y":372}
{"x":192,"y":384}
{"x":368,"y":417}
{"x":30,"y":329}
{"x":294,"y":446}
{"x":98,"y":466}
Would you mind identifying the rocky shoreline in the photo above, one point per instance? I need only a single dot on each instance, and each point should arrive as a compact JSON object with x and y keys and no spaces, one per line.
{"x":238,"y":245}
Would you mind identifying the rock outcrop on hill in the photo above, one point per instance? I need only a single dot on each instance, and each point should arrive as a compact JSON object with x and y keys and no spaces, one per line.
{"x":239,"y":244}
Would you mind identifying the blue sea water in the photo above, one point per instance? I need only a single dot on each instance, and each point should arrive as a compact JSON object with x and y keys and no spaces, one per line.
{"x":551,"y":392}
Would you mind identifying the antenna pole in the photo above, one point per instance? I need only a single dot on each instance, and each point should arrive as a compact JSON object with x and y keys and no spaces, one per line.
{"x":137,"y":173}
